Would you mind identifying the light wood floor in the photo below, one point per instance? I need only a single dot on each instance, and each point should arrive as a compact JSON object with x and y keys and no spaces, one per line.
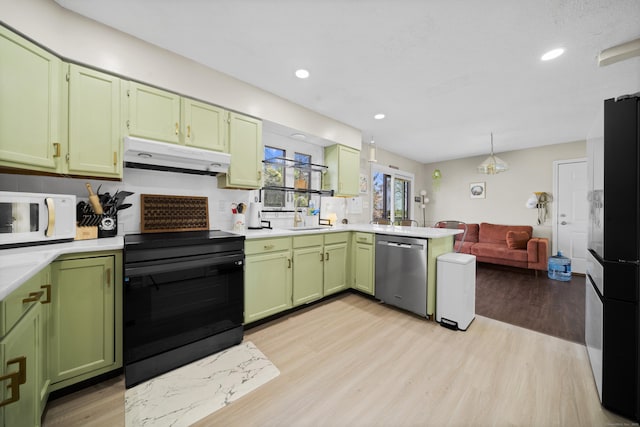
{"x":354,"y":362}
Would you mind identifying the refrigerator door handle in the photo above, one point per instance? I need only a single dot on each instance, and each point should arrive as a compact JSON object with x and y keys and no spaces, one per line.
{"x":627,"y":261}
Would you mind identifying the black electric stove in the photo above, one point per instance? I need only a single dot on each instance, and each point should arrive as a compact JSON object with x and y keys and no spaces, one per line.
{"x":183,"y":299}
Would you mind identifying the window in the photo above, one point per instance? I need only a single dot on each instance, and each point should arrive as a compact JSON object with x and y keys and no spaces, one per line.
{"x":284,"y":172}
{"x":392,"y":192}
{"x":302,"y":178}
{"x":274,"y":174}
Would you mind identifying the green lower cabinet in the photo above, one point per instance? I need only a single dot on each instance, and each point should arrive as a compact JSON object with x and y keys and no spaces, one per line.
{"x":307,"y":274}
{"x":44,"y":375}
{"x":83,"y":326}
{"x":267,"y":280}
{"x":21,"y":364}
{"x":335,"y":268}
{"x":363,"y":263}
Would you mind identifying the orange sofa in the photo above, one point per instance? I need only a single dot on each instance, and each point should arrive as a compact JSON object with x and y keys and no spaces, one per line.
{"x":511,"y":245}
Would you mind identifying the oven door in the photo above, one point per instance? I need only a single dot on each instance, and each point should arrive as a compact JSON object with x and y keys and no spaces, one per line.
{"x":171,"y":303}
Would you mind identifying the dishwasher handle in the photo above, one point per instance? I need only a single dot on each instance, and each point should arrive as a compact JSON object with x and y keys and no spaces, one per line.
{"x":402,"y":245}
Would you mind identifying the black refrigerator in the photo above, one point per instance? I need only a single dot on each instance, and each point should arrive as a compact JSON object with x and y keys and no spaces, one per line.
{"x":612,"y":311}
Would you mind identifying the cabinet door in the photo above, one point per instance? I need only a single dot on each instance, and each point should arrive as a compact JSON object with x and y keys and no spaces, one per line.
{"x":44,"y":353}
{"x":82,"y":331}
{"x":20,"y":366}
{"x":95,"y":139}
{"x":363,"y":268}
{"x":245,"y":147}
{"x":343,"y":174}
{"x":30,"y":120}
{"x":335,"y":268}
{"x":203,"y":125}
{"x":267,"y":285}
{"x":153,"y":113}
{"x":307,"y":274}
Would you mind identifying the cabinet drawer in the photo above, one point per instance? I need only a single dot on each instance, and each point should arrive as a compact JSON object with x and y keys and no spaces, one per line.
{"x":366,"y":238}
{"x":331,"y":238}
{"x":263,"y":246}
{"x":20,"y":301}
{"x":306,"y":241}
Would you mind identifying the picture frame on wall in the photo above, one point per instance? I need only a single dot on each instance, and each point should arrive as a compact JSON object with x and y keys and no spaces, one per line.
{"x":364,"y":184}
{"x":477,"y":190}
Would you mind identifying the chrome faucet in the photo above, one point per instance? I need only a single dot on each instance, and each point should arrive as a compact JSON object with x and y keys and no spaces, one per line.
{"x":297,"y":218}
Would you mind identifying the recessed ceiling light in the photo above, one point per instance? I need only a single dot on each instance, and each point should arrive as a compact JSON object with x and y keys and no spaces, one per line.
{"x":298,"y":136}
{"x":302,"y":73}
{"x":379,"y":116}
{"x":552,"y":54}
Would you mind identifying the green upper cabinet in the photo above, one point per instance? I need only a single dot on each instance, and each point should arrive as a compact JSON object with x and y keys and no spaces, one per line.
{"x":203,"y":125}
{"x":343,"y":174}
{"x":95,"y":137}
{"x":245,"y":147}
{"x":82,"y":329}
{"x":153,"y":113}
{"x":30,"y":104}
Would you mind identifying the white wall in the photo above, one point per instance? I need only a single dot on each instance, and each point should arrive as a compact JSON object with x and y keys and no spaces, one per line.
{"x":506,"y":193}
{"x":82,"y":40}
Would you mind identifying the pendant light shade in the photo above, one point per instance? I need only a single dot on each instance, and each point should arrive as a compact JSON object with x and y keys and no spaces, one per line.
{"x":493,"y":164}
{"x":372,"y":151}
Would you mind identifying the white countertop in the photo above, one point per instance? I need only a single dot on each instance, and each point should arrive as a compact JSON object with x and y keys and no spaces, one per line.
{"x":20,"y":264}
{"x":395,"y":230}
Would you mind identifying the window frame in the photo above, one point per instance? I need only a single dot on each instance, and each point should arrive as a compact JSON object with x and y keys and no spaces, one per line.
{"x":390,"y":203}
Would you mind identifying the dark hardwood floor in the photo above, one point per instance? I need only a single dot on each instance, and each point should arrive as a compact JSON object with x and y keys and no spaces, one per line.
{"x":518,"y":297}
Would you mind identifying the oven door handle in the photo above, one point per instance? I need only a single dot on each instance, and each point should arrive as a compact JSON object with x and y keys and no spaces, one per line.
{"x":166,"y":267}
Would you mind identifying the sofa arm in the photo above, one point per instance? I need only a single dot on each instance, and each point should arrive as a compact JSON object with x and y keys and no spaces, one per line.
{"x":537,"y":253}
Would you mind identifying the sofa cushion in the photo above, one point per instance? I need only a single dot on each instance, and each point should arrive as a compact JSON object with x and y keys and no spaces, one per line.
{"x":466,"y":247}
{"x":472,"y":233}
{"x":495,"y":233}
{"x":497,"y":250}
{"x":517,"y":239}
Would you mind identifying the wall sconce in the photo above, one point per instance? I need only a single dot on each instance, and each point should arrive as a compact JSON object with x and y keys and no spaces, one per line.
{"x":423,"y":205}
{"x":540,"y":200}
{"x":436,"y":176}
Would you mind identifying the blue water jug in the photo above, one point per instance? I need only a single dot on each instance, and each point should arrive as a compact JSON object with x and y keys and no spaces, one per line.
{"x":559,"y":268}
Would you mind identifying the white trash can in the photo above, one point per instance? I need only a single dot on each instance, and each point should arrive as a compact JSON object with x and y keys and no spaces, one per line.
{"x":456,"y":290}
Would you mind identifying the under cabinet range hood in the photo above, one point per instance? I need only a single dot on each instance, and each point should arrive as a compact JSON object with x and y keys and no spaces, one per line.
{"x":146,"y":154}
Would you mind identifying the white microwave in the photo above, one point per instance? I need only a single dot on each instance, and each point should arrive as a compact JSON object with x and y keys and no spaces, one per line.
{"x":33,"y":218}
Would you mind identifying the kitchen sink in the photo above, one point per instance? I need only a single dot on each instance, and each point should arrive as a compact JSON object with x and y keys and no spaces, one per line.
{"x":313,"y":227}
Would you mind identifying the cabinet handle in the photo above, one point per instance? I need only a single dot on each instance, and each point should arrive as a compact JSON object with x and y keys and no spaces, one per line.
{"x":289,"y":262}
{"x":33,"y":297}
{"x":269,"y":247}
{"x":108,"y":277}
{"x":326,"y":256}
{"x":47,"y":289}
{"x":56,"y":149}
{"x":321,"y":257}
{"x":15,"y":379}
{"x":177,"y":128}
{"x":115,"y":158}
{"x":188,"y":131}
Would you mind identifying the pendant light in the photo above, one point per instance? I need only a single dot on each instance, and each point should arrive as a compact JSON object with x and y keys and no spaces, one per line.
{"x":493,"y":164}
{"x":372,"y":152}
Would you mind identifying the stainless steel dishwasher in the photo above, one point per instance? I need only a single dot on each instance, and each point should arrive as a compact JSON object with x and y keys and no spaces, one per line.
{"x":401,"y":272}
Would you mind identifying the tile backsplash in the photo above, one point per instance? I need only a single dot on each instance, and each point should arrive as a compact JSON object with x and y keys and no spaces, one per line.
{"x":139,"y":181}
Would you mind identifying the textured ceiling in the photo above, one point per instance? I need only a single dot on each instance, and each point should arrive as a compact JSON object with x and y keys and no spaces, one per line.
{"x":446,"y":73}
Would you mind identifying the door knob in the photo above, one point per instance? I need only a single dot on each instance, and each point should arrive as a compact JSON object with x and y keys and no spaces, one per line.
{"x":563,"y":223}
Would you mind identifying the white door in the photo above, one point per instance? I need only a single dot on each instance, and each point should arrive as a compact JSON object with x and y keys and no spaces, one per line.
{"x":572,"y":213}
